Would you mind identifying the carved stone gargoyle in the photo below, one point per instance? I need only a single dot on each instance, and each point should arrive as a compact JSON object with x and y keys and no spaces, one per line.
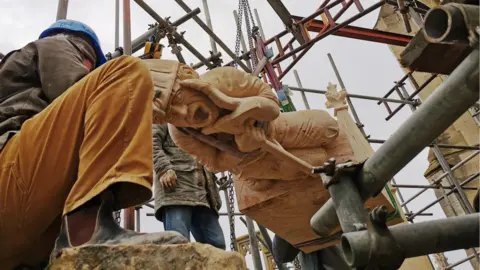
{"x":230,"y":120}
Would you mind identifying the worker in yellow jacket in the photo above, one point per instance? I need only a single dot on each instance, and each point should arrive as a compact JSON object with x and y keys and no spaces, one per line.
{"x":76,"y":144}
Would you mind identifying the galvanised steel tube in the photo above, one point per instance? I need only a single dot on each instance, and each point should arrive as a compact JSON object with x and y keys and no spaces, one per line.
{"x":448,"y":102}
{"x":318,"y":91}
{"x":62,"y":9}
{"x":418,"y":239}
{"x":212,"y":35}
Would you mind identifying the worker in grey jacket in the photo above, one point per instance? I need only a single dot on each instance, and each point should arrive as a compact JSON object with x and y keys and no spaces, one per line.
{"x":186,"y":196}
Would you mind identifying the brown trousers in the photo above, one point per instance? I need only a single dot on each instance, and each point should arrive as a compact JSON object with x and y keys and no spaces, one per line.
{"x":97,"y":135}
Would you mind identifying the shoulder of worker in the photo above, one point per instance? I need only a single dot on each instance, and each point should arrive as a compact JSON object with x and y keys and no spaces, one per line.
{"x":66,"y":44}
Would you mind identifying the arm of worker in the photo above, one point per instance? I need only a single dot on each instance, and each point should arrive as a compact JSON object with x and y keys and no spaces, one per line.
{"x":163,"y":168}
{"x":62,"y":61}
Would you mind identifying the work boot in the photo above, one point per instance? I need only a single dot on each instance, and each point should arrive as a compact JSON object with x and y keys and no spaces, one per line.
{"x":103,"y":230}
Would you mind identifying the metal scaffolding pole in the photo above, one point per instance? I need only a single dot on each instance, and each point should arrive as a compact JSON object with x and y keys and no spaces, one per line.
{"x":349,"y":101}
{"x":317,"y":91}
{"x":139,"y":42}
{"x":308,"y":45}
{"x":262,"y":34}
{"x":437,"y":180}
{"x":299,"y":83}
{"x":461,"y":261}
{"x":137,"y":216}
{"x":127,"y":36}
{"x":254,"y":250}
{"x":117,"y":23}
{"x":129,"y":213}
{"x":62,"y":9}
{"x":410,"y":97}
{"x":460,"y":194}
{"x":213,"y":36}
{"x":209,"y":24}
{"x":451,"y":99}
{"x":416,"y":239}
{"x":455,"y":189}
{"x":440,"y":145}
{"x":429,"y":186}
{"x":178,"y":37}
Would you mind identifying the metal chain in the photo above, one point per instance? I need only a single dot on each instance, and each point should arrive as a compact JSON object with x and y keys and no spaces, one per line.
{"x":247,"y":9}
{"x":250,"y":38}
{"x":248,"y":19}
{"x":296,"y":264}
{"x":239,"y":33}
{"x":116,"y":216}
{"x":225,"y":183}
{"x":231,"y":207}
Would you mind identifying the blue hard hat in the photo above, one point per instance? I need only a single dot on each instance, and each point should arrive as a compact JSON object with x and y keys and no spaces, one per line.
{"x":75,"y":26}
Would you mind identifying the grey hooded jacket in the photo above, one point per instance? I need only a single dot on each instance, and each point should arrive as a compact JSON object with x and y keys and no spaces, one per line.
{"x":195,"y":185}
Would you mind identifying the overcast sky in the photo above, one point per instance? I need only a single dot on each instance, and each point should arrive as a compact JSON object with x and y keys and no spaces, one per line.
{"x":366,"y":68}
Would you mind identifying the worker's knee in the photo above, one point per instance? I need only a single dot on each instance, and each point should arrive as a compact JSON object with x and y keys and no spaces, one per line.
{"x":134,"y":70}
{"x":130,"y":65}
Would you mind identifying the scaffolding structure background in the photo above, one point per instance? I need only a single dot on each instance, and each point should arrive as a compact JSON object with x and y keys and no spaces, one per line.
{"x":297,"y":46}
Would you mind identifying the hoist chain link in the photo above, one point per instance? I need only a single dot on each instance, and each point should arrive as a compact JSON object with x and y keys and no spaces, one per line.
{"x":231,"y":206}
{"x":248,"y":19}
{"x":116,"y":216}
{"x":239,"y":33}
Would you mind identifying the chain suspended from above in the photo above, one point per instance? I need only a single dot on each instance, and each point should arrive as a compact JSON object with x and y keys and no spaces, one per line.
{"x":231,"y":206}
{"x":116,"y":216}
{"x":244,"y":8}
{"x":225,"y":183}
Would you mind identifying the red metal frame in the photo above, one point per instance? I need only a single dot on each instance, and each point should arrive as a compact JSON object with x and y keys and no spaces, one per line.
{"x":324,"y":29}
{"x":359,"y":33}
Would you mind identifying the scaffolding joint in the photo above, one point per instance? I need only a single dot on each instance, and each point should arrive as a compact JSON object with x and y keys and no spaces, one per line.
{"x":383,"y":250}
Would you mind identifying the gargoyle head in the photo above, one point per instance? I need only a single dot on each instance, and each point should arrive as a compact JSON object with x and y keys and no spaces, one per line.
{"x":177,"y":105}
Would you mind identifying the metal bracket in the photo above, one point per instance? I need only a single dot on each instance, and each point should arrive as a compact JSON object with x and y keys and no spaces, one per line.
{"x":269,"y":53}
{"x":330,"y":170}
{"x":223,"y":182}
{"x":384,"y":253}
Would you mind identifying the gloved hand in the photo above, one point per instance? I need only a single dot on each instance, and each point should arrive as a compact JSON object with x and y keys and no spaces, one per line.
{"x":168,"y":179}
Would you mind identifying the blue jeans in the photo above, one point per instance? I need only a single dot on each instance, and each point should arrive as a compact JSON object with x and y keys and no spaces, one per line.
{"x":201,"y":221}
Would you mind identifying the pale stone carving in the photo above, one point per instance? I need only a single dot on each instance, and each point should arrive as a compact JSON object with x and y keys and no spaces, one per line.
{"x":229,"y":120}
{"x":336,"y":100}
{"x":237,"y":122}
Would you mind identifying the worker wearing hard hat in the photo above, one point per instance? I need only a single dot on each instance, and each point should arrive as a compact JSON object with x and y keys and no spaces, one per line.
{"x":74,"y":147}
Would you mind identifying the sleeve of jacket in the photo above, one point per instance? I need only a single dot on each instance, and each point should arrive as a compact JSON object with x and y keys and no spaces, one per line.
{"x":60,"y":65}
{"x":161,"y":162}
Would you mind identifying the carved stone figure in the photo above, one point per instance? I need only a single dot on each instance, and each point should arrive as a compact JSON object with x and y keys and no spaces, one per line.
{"x":239,"y":116}
{"x":230,"y":121}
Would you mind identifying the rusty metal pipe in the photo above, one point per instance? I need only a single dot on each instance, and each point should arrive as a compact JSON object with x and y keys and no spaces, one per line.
{"x":447,"y":23}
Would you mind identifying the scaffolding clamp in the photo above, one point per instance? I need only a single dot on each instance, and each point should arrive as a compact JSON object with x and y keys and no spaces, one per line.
{"x":330,"y":170}
{"x":384,"y":253}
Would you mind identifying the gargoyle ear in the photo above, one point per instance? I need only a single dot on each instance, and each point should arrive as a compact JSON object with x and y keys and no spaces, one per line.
{"x":216,"y":96}
{"x":198,"y":85}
